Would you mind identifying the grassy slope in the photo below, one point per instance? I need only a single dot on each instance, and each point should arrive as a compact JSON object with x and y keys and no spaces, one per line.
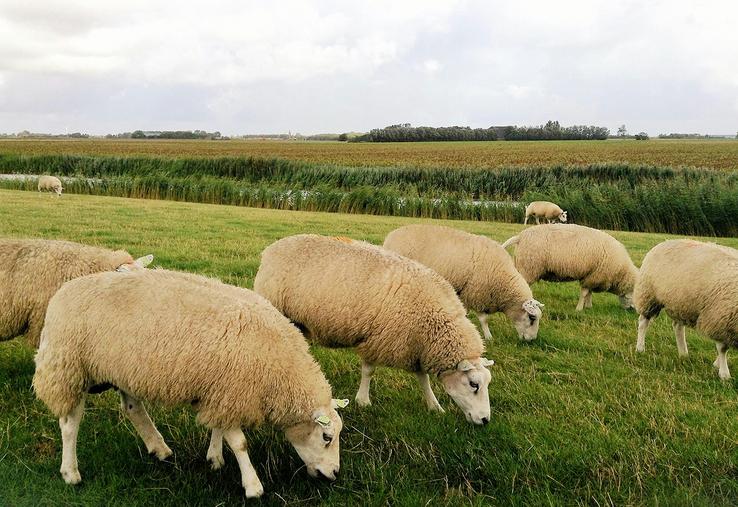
{"x":720,"y":154}
{"x":577,"y":416}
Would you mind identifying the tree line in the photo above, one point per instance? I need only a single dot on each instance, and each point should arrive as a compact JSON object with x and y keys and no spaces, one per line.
{"x":551,"y":131}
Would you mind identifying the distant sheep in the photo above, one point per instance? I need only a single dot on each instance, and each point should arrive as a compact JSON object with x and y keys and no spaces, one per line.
{"x":479,"y":269}
{"x":395,"y":311}
{"x":32,"y":270}
{"x":697,"y":285}
{"x":177,"y":338}
{"x":50,"y":183}
{"x":564,"y":253}
{"x":544,"y":209}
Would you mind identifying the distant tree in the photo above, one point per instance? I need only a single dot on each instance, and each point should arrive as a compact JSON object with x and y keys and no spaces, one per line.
{"x":622,"y":131}
{"x":138,"y":134}
{"x":641,"y":136}
{"x":343,"y":137}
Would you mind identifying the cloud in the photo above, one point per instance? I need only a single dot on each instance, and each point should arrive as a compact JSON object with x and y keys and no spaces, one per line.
{"x":247,"y":66}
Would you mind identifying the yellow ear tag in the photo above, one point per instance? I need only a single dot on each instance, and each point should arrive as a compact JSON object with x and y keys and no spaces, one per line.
{"x":342,"y":403}
{"x":323,"y":420}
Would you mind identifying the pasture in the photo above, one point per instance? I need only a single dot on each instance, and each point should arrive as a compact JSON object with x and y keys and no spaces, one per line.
{"x":717,"y":154}
{"x":577,"y":416}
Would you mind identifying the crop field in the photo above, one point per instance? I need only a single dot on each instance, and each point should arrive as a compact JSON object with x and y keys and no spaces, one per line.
{"x":717,"y":154}
{"x":578,"y":418}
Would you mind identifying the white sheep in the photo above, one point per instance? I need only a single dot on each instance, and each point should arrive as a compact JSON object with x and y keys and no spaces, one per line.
{"x":564,"y":253}
{"x":395,"y":311}
{"x":696,"y":284}
{"x":32,"y":270}
{"x":544,"y":209}
{"x":479,"y":269}
{"x":50,"y":183}
{"x":176,"y":338}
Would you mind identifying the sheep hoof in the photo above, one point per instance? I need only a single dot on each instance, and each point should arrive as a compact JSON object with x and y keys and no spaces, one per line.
{"x":254,"y":490}
{"x":363,"y":402}
{"x":71,"y":476}
{"x":724,"y":376}
{"x":162,"y":451}
{"x":436,"y":408}
{"x":216,"y":461}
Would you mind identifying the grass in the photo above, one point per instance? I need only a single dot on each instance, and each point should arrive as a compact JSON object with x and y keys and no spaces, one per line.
{"x":578,"y":417}
{"x":718,"y":154}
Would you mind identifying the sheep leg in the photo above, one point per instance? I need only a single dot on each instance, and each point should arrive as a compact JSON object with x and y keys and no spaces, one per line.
{"x":484,"y":325}
{"x":537,"y":221}
{"x":362,"y":396}
{"x":588,"y":300}
{"x":215,"y":450}
{"x":681,"y":339}
{"x":583,"y":293}
{"x":722,"y":361}
{"x":249,"y":479}
{"x":69,"y":425}
{"x":136,"y":412}
{"x":430,"y":398}
{"x":525,"y":222}
{"x":643,"y":323}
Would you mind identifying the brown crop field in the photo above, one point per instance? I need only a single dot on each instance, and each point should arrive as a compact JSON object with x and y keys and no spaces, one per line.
{"x":718,"y":154}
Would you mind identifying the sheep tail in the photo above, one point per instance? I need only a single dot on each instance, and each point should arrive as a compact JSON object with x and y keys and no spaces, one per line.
{"x":510,"y":242}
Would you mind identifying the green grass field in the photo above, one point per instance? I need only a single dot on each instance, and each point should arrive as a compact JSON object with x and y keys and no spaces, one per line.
{"x":577,"y":416}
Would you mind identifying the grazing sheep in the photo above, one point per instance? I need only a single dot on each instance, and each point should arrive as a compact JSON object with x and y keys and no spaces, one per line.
{"x":564,"y":253}
{"x":32,"y":270}
{"x":544,"y":209}
{"x":480,"y":270}
{"x":50,"y":183}
{"x":697,"y":285}
{"x":175,"y":338}
{"x":395,"y":311}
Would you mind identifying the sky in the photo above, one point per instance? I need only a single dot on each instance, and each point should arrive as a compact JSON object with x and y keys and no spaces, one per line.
{"x":247,"y":67}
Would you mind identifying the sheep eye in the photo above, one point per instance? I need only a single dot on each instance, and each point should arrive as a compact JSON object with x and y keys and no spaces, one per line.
{"x":327,"y":438}
{"x":474,"y":386}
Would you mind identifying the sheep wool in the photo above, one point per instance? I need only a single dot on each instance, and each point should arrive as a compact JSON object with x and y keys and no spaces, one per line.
{"x":50,"y":183}
{"x":172,"y":338}
{"x":703,"y":296}
{"x":395,"y":311}
{"x":561,"y":253}
{"x":544,"y":209}
{"x":31,"y":271}
{"x":480,"y":270}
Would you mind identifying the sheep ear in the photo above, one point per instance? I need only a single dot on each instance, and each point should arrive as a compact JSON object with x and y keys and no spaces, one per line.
{"x":323,"y":420}
{"x":465,"y":365}
{"x":144,"y":261}
{"x":124,"y":268}
{"x":339,"y":403}
{"x":487,"y":362}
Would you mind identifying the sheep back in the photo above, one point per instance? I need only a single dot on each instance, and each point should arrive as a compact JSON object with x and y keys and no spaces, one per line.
{"x":479,"y":269}
{"x":32,"y":270}
{"x":558,"y":252}
{"x":395,"y":311}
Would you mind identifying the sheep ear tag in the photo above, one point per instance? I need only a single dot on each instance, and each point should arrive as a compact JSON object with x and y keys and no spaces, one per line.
{"x":487,"y":362}
{"x":144,"y":261}
{"x":339,"y":403}
{"x":323,"y":420}
{"x":123,"y":268}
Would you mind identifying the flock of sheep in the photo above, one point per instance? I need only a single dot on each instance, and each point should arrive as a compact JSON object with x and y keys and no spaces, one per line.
{"x":101,"y":320}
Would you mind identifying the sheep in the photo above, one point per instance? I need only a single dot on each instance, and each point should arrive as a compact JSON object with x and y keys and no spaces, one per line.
{"x":50,"y":183}
{"x":479,"y":269}
{"x":562,"y":253}
{"x":395,"y":311}
{"x":544,"y":209}
{"x":174,"y":338}
{"x":697,"y":285}
{"x":32,"y":270}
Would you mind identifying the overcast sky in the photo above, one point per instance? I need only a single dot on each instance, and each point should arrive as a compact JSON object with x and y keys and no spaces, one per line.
{"x":323,"y":66}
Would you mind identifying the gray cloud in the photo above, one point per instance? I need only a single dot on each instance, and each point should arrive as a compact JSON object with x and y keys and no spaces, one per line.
{"x":247,"y":67}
